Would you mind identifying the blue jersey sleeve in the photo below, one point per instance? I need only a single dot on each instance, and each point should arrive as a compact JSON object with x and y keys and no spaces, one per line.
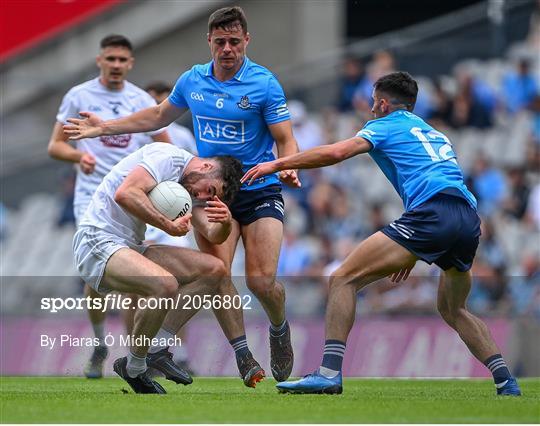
{"x":177,"y":95}
{"x":275,"y":109}
{"x":375,"y":132}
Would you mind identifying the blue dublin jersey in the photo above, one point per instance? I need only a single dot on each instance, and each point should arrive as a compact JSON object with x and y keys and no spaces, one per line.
{"x":418,"y":160}
{"x":232,"y":117}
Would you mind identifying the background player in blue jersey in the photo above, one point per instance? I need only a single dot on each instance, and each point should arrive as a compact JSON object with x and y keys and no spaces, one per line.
{"x":238,"y":109}
{"x":440,"y":225}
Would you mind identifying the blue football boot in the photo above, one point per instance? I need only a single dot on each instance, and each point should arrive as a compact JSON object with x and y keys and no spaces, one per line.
{"x":509,"y":387}
{"x":313,"y":383}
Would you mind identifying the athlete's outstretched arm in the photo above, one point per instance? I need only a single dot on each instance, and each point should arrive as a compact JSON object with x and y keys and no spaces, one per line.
{"x":145,"y":120}
{"x":321,"y":156}
{"x":286,"y":145}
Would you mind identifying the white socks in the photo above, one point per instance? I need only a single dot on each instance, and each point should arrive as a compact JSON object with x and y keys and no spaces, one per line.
{"x":135,"y":365}
{"x":328,"y":373}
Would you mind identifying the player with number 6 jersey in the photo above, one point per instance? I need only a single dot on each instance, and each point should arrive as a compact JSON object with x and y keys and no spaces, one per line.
{"x":232,"y":117}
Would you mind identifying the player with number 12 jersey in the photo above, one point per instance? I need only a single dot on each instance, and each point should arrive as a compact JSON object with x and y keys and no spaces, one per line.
{"x":416,"y":170}
{"x":440,"y":225}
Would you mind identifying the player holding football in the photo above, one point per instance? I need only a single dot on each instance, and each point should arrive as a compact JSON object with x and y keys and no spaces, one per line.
{"x":440,"y":225}
{"x":109,"y":96}
{"x":110,"y":254}
{"x":238,"y":109}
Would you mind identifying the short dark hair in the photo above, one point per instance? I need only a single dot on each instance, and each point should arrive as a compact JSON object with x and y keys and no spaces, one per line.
{"x":226,"y":18}
{"x":400,"y":86}
{"x":116,"y":40}
{"x":231,"y":172}
{"x":159,"y":87}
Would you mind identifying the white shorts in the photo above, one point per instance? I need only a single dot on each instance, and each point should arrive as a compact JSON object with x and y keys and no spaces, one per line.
{"x":92,"y":249}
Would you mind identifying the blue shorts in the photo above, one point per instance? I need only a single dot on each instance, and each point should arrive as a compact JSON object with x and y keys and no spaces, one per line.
{"x":444,"y":230}
{"x":248,"y":206}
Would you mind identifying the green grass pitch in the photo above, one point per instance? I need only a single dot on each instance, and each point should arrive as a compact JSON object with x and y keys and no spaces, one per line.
{"x":226,"y":400}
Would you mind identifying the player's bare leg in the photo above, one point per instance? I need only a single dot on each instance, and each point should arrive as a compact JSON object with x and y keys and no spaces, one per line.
{"x":454,"y":288}
{"x":262,"y":241}
{"x":232,"y":321}
{"x":377,"y":257}
{"x":127,"y":271}
{"x":130,"y":272}
{"x":94,"y":367}
{"x":198,"y":274}
{"x":97,"y":316}
{"x":128,"y":314}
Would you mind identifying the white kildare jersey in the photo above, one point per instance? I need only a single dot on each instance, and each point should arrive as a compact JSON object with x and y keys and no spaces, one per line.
{"x":94,"y":97}
{"x":164,"y":162}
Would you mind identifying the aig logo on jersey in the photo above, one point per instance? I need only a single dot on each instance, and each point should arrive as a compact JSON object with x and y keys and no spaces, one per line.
{"x":197,"y":96}
{"x":217,"y":130}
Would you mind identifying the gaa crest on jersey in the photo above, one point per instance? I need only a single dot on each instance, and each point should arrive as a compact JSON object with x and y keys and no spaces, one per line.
{"x":244,"y":103}
{"x":116,"y":141}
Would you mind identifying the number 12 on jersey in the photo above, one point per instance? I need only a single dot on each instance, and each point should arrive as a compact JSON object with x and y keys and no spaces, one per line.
{"x":445,"y":151}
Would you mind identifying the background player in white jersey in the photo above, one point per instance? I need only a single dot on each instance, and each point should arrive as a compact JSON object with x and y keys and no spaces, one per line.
{"x":109,"y":96}
{"x":239,"y":109}
{"x":110,"y":254}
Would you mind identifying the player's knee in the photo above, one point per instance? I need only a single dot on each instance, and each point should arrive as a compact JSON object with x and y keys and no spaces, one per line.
{"x":260,"y":286}
{"x":215,"y":268}
{"x":445,"y":315}
{"x":165,"y":287}
{"x":338,"y":278}
{"x":451,"y":315}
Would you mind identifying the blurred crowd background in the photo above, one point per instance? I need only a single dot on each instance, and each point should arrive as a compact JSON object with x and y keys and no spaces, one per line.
{"x":490,"y":110}
{"x":479,"y":84}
